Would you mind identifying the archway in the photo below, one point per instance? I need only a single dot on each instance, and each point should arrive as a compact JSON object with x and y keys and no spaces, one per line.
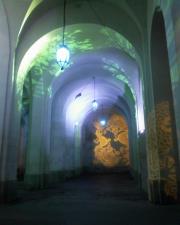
{"x":162,"y":139}
{"x":52,"y":94}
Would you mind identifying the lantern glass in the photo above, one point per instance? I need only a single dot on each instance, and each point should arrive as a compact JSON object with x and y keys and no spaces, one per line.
{"x":94,"y":105}
{"x":62,"y":56}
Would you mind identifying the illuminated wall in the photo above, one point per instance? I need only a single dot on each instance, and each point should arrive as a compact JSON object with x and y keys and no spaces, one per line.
{"x":41,"y":56}
{"x":163,"y":113}
{"x":110,"y":147}
{"x":172,"y":19}
{"x":171,"y":13}
{"x":162,"y":160}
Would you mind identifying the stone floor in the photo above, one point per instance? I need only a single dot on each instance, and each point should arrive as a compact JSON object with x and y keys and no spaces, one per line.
{"x":89,"y":200}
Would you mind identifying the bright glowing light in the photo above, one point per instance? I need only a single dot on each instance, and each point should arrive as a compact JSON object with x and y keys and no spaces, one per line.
{"x":76,"y":110}
{"x":140,"y":119}
{"x":63,"y":56}
{"x":76,"y":123}
{"x":141,"y":131}
{"x":94,"y":105}
{"x":102,"y":122}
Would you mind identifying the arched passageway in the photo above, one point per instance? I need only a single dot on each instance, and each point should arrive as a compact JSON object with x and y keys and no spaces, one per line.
{"x":49,"y":118}
{"x":64,"y":160}
{"x":64,"y":100}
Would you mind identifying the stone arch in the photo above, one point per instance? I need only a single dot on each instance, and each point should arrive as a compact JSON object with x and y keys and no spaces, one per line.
{"x":162,"y":136}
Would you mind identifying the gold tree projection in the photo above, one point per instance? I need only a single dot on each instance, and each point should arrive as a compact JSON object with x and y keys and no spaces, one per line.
{"x":162,"y":163}
{"x":111,"y":143}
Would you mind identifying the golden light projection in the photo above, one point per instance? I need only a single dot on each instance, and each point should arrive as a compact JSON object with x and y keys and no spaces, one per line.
{"x":111,"y":143}
{"x":162,"y":165}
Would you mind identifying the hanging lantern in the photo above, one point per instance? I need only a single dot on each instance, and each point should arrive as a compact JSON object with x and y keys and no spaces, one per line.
{"x":62,"y":56}
{"x":94,"y":102}
{"x":94,"y":105}
{"x":63,"y":53}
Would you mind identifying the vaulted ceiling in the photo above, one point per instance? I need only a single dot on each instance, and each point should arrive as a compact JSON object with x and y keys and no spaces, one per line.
{"x":105,"y":47}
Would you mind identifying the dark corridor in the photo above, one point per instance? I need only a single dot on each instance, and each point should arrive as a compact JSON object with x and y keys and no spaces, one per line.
{"x":106,"y":199}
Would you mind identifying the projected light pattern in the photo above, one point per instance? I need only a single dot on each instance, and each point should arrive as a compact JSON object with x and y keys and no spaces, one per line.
{"x":28,"y":61}
{"x":133,"y":89}
{"x":162,"y":161}
{"x":39,"y":60}
{"x":172,"y":20}
{"x":117,"y":72}
{"x":79,"y":39}
{"x":111,"y":143}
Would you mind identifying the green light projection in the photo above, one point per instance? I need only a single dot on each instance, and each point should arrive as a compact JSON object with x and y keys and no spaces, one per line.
{"x":119,"y":74}
{"x":40,"y":58}
{"x":116,"y":40}
{"x":172,"y":23}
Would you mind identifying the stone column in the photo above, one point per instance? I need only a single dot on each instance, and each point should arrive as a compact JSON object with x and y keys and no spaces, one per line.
{"x":7,"y":166}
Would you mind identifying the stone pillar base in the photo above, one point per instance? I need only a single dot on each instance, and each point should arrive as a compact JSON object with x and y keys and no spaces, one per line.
{"x":41,"y":181}
{"x":8,"y":191}
{"x":158,"y":194}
